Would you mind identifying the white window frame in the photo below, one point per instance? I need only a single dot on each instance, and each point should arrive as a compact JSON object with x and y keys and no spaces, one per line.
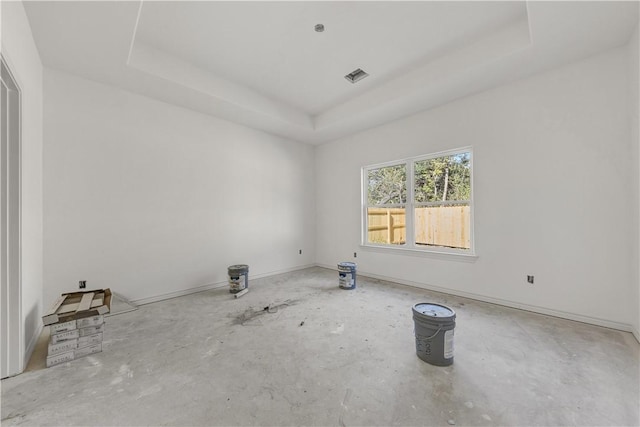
{"x":410,"y":246}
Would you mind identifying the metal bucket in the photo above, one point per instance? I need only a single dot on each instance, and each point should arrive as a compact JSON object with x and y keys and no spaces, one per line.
{"x":238,"y":278}
{"x":434,"y":326}
{"x":347,"y":275}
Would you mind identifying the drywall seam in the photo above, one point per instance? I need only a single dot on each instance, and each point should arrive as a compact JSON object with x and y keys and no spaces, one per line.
{"x":135,"y":31}
{"x":217,"y":285}
{"x":511,"y":304}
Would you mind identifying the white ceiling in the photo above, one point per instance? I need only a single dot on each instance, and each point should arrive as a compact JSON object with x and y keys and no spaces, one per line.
{"x":273,"y":48}
{"x":262,"y":64}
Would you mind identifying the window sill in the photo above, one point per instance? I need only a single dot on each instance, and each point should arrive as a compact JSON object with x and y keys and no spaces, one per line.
{"x":448,"y":256}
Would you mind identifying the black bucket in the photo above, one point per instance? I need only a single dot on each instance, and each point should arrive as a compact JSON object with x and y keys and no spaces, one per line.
{"x":434,"y":326}
{"x":238,"y":278}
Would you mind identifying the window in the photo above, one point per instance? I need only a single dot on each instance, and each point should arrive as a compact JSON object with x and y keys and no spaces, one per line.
{"x":423,"y":203}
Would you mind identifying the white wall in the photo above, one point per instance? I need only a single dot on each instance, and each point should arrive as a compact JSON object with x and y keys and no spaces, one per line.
{"x":151,"y":199}
{"x":21,"y":54}
{"x":634,"y":95}
{"x":552,"y":173}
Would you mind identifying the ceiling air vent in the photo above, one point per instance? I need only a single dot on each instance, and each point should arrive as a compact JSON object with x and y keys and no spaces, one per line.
{"x":356,"y":75}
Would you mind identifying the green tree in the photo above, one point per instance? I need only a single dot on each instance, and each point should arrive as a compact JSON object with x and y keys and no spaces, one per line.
{"x":387,"y":185}
{"x":443,"y":178}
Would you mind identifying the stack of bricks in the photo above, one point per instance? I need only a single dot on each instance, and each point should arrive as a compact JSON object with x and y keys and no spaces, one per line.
{"x":76,"y":324}
{"x":74,"y":339}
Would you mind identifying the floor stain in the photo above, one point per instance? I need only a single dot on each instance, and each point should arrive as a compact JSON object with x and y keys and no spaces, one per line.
{"x":250,"y":313}
{"x":12,"y":416}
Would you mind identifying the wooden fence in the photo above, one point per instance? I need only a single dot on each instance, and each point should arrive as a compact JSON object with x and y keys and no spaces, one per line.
{"x":387,"y":225}
{"x":435,"y":225}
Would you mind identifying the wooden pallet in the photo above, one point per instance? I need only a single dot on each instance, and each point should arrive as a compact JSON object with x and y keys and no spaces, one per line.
{"x":78,"y":305}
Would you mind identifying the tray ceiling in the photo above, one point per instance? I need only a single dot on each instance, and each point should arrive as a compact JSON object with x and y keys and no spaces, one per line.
{"x":261,"y":64}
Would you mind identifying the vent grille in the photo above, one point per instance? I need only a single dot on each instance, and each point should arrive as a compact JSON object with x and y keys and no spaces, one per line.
{"x":356,"y":76}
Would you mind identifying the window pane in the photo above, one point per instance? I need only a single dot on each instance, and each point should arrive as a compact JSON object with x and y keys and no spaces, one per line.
{"x":448,"y":226}
{"x":386,"y":225}
{"x":443,"y":178}
{"x":387,"y":185}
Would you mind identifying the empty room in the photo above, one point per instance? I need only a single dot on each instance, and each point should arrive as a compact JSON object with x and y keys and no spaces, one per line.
{"x":325,"y":213}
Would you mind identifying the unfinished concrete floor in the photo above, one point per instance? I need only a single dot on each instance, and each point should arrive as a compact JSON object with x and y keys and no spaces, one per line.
{"x":210,"y":359}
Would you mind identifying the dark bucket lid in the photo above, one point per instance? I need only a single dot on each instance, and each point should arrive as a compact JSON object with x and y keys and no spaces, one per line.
{"x":432,"y":310}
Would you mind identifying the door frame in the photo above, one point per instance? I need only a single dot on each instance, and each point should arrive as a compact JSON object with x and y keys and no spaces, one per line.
{"x":12,"y":355}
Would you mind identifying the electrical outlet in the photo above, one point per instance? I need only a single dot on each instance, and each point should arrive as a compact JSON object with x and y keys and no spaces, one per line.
{"x":82,"y":284}
{"x":300,"y":251}
{"x":530,"y":279}
{"x":355,"y":255}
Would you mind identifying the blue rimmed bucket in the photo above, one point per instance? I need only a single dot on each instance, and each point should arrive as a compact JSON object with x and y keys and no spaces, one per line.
{"x":347,"y":275}
{"x":238,"y":278}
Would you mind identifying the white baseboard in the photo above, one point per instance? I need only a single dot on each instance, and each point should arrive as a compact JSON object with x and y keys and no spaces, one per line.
{"x":31,"y":346}
{"x":274,"y":273}
{"x":202,"y":288}
{"x":180,"y":293}
{"x":511,"y":304}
